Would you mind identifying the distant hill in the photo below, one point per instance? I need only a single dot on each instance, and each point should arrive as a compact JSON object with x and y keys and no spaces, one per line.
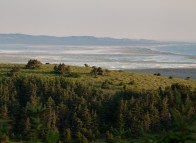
{"x":72,"y":40}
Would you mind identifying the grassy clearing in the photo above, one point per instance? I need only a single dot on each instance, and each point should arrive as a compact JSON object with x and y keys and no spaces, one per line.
{"x":118,"y":79}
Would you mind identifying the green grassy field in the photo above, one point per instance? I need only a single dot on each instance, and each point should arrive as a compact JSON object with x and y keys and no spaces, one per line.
{"x":117,"y":78}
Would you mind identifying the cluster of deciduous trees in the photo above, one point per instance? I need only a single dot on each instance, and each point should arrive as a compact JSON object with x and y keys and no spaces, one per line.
{"x":35,"y":108}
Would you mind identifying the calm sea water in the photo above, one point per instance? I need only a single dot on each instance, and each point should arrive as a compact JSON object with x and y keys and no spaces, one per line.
{"x":116,"y":57}
{"x":183,"y":49}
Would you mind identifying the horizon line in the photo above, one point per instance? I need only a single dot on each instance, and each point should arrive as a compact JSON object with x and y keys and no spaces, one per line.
{"x":158,"y":40}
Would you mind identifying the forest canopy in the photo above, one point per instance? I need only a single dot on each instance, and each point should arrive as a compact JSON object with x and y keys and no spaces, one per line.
{"x":60,"y":108}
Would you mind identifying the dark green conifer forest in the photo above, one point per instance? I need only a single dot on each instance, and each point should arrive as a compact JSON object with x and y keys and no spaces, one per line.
{"x":61,"y":108}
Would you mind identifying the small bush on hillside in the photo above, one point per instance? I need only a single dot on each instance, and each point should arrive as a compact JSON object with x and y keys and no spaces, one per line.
{"x":97,"y":71}
{"x":14,"y":72}
{"x":62,"y":69}
{"x":94,"y":71}
{"x":187,"y":78}
{"x":33,"y":64}
{"x":157,"y":74}
{"x":86,"y":65}
{"x":100,"y":71}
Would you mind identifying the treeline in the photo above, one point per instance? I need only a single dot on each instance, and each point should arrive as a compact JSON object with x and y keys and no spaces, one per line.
{"x":57,"y":109}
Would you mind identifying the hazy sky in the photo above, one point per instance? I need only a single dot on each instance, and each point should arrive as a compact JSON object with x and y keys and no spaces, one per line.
{"x":149,"y":19}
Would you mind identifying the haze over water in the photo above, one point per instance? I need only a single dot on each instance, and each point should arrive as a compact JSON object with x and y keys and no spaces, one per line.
{"x":111,"y":57}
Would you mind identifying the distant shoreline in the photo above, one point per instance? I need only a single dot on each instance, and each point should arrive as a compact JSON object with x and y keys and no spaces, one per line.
{"x":173,"y":72}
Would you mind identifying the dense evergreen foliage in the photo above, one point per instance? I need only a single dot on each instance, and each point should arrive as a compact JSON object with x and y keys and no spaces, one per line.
{"x":59,"y":109}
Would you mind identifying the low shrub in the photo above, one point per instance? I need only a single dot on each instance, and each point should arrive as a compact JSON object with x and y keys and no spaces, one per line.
{"x":33,"y":64}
